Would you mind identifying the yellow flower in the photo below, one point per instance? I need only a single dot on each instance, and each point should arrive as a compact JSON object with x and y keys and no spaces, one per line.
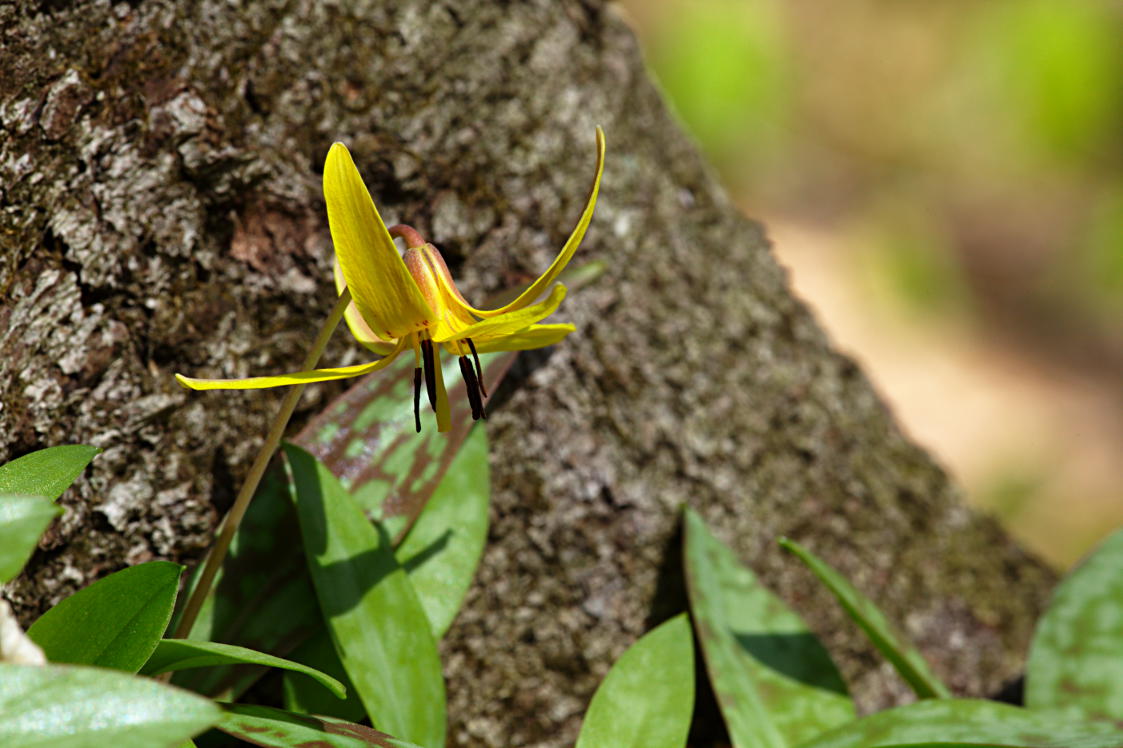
{"x":402,"y":302}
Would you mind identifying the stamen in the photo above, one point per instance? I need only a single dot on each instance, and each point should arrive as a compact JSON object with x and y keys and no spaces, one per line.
{"x":471,"y":386}
{"x":417,"y":398}
{"x":430,"y":372}
{"x":479,"y":371}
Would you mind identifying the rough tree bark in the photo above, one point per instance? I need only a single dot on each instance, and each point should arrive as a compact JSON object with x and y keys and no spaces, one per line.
{"x":162,"y":211}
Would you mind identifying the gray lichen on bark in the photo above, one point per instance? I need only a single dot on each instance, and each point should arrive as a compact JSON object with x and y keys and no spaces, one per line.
{"x":161,"y":212}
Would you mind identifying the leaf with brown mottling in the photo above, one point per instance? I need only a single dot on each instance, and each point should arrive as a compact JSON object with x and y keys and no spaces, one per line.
{"x":967,"y":722}
{"x":1076,"y":659}
{"x":440,"y":554}
{"x":263,"y":598}
{"x":774,"y":682}
{"x":276,"y":728}
{"x":367,"y":438}
{"x":377,"y":624}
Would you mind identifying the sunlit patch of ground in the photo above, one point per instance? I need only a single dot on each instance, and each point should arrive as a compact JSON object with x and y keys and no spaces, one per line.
{"x":1041,"y":449}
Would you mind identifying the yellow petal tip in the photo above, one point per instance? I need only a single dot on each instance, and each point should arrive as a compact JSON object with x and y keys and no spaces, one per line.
{"x":338,"y":157}
{"x":184,"y":382}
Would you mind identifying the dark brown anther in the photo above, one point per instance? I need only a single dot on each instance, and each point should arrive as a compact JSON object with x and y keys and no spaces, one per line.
{"x":479,"y":371}
{"x":417,"y":398}
{"x":430,"y":362}
{"x":471,"y":386}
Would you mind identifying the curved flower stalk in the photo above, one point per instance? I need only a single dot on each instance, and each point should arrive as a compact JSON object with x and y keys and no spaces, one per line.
{"x":409,"y":302}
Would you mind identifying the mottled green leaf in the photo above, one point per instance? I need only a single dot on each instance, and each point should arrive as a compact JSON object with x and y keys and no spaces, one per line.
{"x":22,"y":521}
{"x":1076,"y":659}
{"x":319,"y":652}
{"x":81,"y":707}
{"x":440,"y":554}
{"x":184,"y":654}
{"x":363,"y":438}
{"x":367,"y":438}
{"x":378,"y":626}
{"x":47,"y":472}
{"x":116,"y":622}
{"x":442,"y":550}
{"x":1091,"y":741}
{"x":967,"y":722}
{"x":774,"y":682}
{"x":262,"y":725}
{"x":647,"y":698}
{"x":893,"y":645}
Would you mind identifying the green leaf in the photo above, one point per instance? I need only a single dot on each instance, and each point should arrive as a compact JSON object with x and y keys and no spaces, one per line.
{"x":262,"y":725}
{"x":116,"y":622}
{"x":1076,"y":658}
{"x":1092,"y":741}
{"x":262,"y":598}
{"x":319,"y":652}
{"x":366,"y":436}
{"x":948,"y":722}
{"x":378,"y":626}
{"x":47,"y":472}
{"x":443,"y":549}
{"x":183,"y":654}
{"x":81,"y":707}
{"x":440,"y":554}
{"x":647,"y":698}
{"x":774,"y":682}
{"x":893,"y":645}
{"x":22,"y":521}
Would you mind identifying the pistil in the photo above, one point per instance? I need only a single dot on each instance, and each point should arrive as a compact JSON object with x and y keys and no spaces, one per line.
{"x":412,"y":236}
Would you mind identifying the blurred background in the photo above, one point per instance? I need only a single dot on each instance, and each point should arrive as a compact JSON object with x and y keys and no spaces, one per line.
{"x":943,"y":179}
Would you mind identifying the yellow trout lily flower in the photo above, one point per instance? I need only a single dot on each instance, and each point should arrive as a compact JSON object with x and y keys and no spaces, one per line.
{"x":410,"y":302}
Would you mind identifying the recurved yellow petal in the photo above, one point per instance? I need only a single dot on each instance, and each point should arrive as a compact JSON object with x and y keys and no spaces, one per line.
{"x":359,"y":327}
{"x":509,"y":323}
{"x":299,"y":377}
{"x":539,"y":286}
{"x":535,"y":336}
{"x":384,"y":293}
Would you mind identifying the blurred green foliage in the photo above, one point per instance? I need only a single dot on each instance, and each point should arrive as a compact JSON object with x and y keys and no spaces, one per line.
{"x":1019,"y":99}
{"x":946,"y":163}
{"x":907,"y":247}
{"x":1055,"y":69}
{"x":724,"y":65}
{"x":1102,"y":250}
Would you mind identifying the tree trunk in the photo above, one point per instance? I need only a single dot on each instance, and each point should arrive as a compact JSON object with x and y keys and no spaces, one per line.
{"x":160,"y":171}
